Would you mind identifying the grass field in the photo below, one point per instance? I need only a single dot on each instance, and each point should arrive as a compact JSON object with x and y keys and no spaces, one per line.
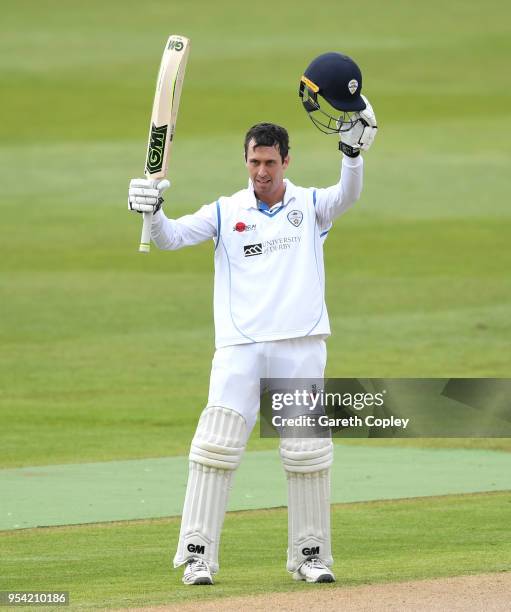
{"x":373,"y":542}
{"x":107,"y":347}
{"x":105,"y":354}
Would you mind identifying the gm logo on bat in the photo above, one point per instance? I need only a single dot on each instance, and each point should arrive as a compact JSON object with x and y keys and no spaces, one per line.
{"x":177,"y":45}
{"x":156,"y":148}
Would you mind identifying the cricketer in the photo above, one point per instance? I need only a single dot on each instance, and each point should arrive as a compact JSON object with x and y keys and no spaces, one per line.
{"x":271,"y":320}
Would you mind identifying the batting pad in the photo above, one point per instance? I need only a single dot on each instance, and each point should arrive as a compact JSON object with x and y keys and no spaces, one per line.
{"x":215,"y":454}
{"x":307,"y":464}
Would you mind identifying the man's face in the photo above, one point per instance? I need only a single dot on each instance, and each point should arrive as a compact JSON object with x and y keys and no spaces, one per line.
{"x":266,"y":169}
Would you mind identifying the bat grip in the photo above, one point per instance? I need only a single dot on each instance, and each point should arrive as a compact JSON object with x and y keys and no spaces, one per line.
{"x":145,"y":239}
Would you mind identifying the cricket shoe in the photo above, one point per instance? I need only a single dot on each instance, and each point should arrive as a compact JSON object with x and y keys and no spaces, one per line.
{"x":314,"y":570}
{"x":197,"y":572}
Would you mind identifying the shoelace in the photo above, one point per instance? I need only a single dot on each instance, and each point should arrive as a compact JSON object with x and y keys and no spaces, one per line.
{"x":314,"y":562}
{"x":198,"y":564}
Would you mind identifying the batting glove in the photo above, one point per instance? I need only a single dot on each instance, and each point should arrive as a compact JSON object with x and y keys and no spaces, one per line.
{"x":145,"y":195}
{"x":359,"y":137}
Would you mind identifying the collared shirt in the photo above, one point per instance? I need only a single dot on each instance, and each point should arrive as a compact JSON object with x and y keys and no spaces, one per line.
{"x":269,"y":272}
{"x":270,"y":209}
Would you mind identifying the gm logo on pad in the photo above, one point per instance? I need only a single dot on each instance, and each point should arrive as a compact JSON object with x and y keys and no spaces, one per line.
{"x":196,"y":548}
{"x":253,"y":249}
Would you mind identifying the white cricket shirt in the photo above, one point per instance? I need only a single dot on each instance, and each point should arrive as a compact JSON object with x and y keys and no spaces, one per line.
{"x":269,"y":271}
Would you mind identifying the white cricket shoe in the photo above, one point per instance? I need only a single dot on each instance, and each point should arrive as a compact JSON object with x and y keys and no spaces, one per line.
{"x":314,"y":570}
{"x":197,"y":572}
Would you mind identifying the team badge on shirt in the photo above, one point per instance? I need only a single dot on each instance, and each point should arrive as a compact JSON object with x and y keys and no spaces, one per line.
{"x":295,"y":217}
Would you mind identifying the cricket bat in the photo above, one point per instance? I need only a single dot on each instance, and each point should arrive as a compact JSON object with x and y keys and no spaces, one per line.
{"x":163,"y":118}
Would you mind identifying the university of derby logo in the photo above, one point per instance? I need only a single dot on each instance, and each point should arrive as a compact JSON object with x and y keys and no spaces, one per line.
{"x":250,"y":250}
{"x":353,"y":86}
{"x":295,"y":217}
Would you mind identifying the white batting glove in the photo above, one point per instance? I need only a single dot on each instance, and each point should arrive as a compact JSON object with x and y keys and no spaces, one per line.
{"x":360,"y":137}
{"x":145,"y":195}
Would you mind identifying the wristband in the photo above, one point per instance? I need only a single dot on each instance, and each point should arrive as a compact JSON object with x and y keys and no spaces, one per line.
{"x":348,"y":150}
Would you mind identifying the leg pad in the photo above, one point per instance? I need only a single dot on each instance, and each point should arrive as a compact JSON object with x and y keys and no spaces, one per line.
{"x":215,"y":453}
{"x":307,"y":464}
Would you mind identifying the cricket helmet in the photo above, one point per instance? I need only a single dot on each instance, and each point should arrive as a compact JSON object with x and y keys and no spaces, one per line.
{"x":337,"y":79}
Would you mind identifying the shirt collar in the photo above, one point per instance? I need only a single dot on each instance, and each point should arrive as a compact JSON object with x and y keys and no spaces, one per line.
{"x":251,"y":201}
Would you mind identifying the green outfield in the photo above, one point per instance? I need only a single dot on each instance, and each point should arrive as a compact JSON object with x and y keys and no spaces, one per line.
{"x":105,"y":353}
{"x":127,"y":564}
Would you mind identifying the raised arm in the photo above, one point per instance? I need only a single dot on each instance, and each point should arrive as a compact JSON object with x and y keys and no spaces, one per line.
{"x":335,"y":200}
{"x":172,"y":234}
{"x":146,"y":196}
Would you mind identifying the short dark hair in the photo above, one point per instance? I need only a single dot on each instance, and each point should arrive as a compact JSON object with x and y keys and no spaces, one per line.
{"x":268,"y":135}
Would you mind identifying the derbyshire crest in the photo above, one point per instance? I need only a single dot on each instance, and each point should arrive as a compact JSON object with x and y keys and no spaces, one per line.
{"x":295,"y":217}
{"x":353,"y":86}
{"x":156,"y":148}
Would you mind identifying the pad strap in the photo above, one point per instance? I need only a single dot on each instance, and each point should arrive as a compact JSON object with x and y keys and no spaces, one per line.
{"x":306,"y":455}
{"x":220,"y":438}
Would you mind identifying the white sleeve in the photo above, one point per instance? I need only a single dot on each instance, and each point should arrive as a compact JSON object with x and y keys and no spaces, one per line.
{"x":334,"y":201}
{"x":172,"y":234}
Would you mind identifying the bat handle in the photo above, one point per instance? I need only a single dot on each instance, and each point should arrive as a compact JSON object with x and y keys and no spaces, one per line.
{"x":145,"y":239}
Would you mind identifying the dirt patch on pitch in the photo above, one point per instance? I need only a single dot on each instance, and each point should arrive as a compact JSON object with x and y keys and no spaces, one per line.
{"x":487,"y":592}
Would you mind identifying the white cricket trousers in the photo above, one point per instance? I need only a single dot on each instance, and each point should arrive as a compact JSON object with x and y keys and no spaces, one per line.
{"x":236,"y":371}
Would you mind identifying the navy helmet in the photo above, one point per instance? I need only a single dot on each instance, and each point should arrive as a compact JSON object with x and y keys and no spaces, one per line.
{"x":336,"y":78}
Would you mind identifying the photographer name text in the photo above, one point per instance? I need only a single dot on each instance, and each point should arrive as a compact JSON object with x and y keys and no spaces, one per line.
{"x":326,"y":421}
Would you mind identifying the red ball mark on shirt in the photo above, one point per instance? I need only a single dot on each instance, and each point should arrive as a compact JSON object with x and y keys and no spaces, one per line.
{"x":240,"y":226}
